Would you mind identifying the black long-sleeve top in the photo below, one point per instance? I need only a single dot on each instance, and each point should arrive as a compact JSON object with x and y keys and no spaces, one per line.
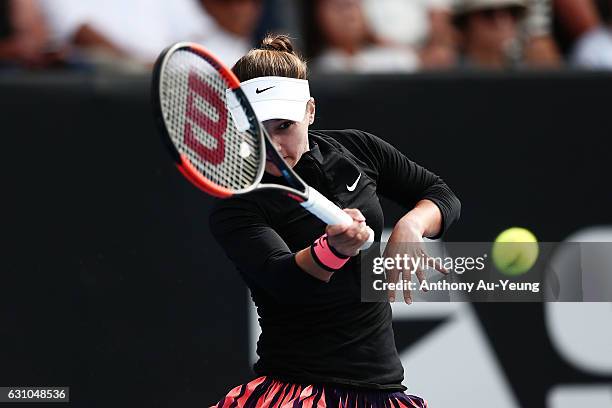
{"x":316,"y":332}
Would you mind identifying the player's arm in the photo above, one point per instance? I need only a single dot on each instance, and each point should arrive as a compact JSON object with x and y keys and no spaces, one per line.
{"x":415,"y":187}
{"x":264,"y":257}
{"x":433,"y":205}
{"x":425,"y":218}
{"x":344,"y":241}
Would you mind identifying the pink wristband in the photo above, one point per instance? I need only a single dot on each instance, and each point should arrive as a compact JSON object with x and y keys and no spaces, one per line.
{"x":325,"y":256}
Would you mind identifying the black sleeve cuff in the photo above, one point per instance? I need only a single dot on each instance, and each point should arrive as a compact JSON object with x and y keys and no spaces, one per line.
{"x":449,"y":205}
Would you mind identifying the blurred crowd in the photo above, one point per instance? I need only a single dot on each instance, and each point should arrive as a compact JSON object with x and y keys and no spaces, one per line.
{"x":362,"y":36}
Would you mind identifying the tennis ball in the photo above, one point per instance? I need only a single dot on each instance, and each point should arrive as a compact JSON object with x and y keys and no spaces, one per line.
{"x":515,"y":251}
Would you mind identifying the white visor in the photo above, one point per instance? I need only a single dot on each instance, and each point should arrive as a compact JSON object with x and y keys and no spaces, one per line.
{"x":272,"y":98}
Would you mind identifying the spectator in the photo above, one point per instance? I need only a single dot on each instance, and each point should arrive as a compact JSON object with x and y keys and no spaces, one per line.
{"x":490,"y":32}
{"x":427,"y":26}
{"x":130,"y":34}
{"x":236,"y":22}
{"x":340,"y":40}
{"x":593,"y":45}
{"x":423,"y":25}
{"x":574,"y":18}
{"x":24,"y":38}
{"x":539,"y":46}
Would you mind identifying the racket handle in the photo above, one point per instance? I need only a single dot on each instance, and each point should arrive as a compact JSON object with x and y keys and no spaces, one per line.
{"x":329,"y":213}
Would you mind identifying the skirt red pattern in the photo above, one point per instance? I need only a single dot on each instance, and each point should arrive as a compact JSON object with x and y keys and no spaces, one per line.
{"x":265,"y":392}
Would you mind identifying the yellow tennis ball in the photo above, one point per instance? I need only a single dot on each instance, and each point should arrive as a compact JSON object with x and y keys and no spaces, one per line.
{"x":515,"y":251}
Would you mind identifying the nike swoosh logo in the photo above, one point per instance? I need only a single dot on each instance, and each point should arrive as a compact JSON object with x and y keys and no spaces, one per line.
{"x":352,"y":188}
{"x":258,"y":91}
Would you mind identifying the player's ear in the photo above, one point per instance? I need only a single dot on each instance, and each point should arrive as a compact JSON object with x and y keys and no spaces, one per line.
{"x":311,"y":109}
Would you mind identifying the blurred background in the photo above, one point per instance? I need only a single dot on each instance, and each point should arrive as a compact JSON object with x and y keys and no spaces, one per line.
{"x":110,"y":282}
{"x":342,"y":36}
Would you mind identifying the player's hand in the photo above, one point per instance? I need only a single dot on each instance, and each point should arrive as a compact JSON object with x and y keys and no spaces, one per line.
{"x":407,"y":239}
{"x":348,"y":239}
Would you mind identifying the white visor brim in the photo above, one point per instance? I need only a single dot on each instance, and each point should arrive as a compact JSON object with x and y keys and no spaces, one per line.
{"x":273,"y":98}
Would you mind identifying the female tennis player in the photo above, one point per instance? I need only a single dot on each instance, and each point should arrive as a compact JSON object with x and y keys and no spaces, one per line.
{"x":320,"y":345}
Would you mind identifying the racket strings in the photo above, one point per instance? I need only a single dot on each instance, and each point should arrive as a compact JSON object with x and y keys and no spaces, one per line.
{"x":200,"y":126}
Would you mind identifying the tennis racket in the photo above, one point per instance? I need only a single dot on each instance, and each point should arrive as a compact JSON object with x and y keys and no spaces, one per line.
{"x":222,"y":155}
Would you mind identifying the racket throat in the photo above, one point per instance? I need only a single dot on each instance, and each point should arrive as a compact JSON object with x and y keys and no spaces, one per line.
{"x":296,"y":197}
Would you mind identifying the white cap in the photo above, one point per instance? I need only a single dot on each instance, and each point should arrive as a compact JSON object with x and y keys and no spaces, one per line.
{"x":272,"y":97}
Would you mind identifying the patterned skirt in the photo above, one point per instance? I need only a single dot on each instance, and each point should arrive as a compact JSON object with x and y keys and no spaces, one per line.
{"x":265,"y":392}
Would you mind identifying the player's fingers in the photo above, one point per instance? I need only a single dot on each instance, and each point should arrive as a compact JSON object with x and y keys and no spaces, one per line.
{"x":350,"y":241}
{"x":361,"y":232}
{"x":363,"y":235}
{"x":437,"y":264}
{"x":420,"y":257}
{"x":430,"y":262}
{"x":406,"y":275}
{"x":420,"y":273}
{"x":352,"y":234}
{"x":392,"y":277}
{"x":348,"y":247}
{"x":337,"y":229}
{"x":355,"y":214}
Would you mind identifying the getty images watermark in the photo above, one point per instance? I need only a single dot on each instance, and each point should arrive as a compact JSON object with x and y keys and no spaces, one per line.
{"x":386,"y":265}
{"x":488,"y":272}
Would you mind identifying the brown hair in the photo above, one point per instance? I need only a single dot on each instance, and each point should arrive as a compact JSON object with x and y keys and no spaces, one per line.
{"x":275,"y":56}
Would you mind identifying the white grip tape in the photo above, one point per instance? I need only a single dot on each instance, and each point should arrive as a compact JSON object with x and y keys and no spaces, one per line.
{"x":329,"y":213}
{"x":325,"y":210}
